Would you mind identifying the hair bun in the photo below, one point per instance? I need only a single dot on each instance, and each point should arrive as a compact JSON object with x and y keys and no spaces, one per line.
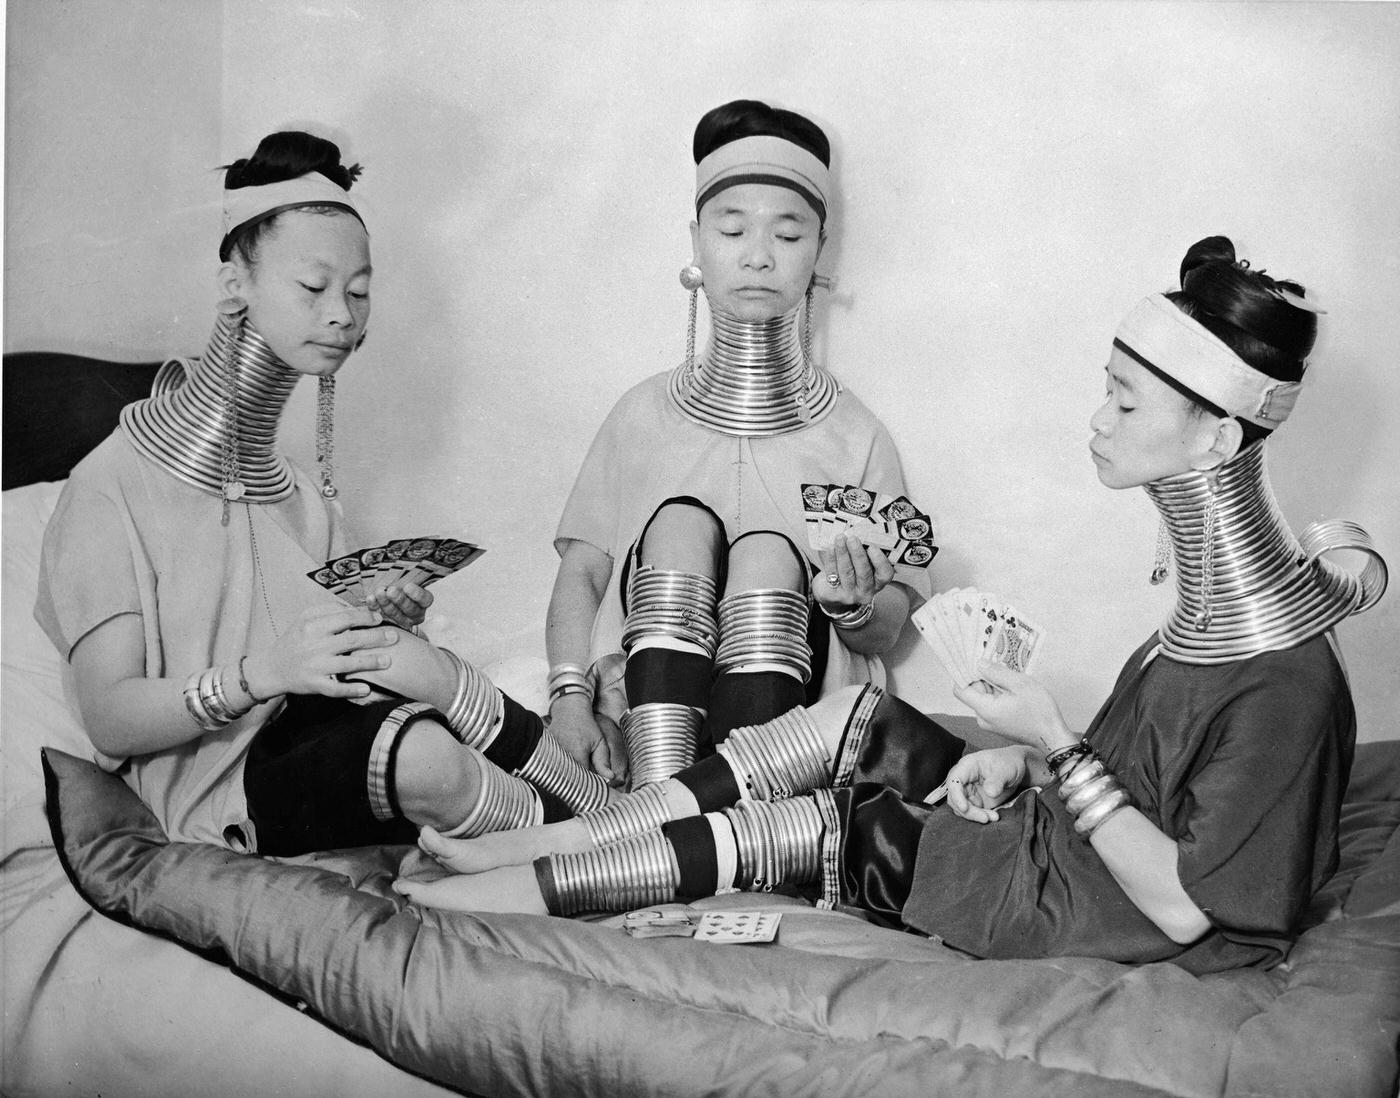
{"x":1212,"y":249}
{"x":1247,"y":309}
{"x":290,"y":154}
{"x":752,"y":118}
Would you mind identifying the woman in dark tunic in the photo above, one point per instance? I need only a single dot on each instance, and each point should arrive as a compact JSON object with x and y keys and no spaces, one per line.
{"x":1191,"y":822}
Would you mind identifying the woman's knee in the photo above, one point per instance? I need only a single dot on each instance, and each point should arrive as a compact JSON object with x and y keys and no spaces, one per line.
{"x":765,"y":559}
{"x":436,"y":778}
{"x":683,"y":535}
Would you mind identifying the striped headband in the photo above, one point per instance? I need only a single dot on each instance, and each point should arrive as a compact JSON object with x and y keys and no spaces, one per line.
{"x":763,"y":159}
{"x":245,"y":206}
{"x":1184,"y":354}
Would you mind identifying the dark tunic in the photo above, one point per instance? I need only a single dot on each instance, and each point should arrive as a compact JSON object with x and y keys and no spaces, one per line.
{"x":1243,"y":764}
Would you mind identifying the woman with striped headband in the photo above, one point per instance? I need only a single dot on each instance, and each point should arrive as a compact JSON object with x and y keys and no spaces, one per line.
{"x":681,"y":607}
{"x":205,"y":664}
{"x":1193,"y":820}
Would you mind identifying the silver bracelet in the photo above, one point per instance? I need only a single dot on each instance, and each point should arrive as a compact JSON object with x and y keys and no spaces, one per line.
{"x":853,"y":618}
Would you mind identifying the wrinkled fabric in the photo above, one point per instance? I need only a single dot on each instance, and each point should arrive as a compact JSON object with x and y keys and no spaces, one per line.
{"x":527,"y":1005}
{"x":1242,"y":764}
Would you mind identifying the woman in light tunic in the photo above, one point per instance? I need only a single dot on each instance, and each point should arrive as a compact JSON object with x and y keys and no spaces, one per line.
{"x":681,"y":606}
{"x":230,"y":689}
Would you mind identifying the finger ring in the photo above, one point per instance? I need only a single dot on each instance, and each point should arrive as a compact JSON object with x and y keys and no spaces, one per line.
{"x":833,"y":579}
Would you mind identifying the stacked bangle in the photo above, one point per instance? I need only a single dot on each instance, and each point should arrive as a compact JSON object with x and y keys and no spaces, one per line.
{"x":1089,"y":789}
{"x":853,"y":618}
{"x":1057,"y":758}
{"x":569,"y":678}
{"x":207,"y":701}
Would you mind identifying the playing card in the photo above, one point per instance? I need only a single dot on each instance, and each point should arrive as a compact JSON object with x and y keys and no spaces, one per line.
{"x":891,"y":524}
{"x":658,"y":924}
{"x":346,"y":583}
{"x":1016,"y":642}
{"x":925,"y":619}
{"x":988,"y":620}
{"x":968,"y":628}
{"x":814,"y":514}
{"x":423,"y":561}
{"x":738,"y":926}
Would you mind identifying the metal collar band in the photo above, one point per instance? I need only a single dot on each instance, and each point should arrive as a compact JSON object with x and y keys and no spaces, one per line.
{"x":183,"y":428}
{"x":764,"y":159}
{"x":1258,"y":587}
{"x":753,"y":379}
{"x":1164,"y":339}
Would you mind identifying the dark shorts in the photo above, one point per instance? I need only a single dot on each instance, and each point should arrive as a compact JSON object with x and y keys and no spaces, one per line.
{"x":320,"y":775}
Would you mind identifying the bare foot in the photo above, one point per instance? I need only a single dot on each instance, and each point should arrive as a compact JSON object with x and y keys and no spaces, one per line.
{"x":511,"y":888}
{"x":418,"y":866}
{"x":519,"y":847}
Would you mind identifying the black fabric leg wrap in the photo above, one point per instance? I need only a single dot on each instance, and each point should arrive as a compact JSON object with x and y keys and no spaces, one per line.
{"x":544,"y":877}
{"x":665,"y":675}
{"x":520,"y":731}
{"x":891,"y":743}
{"x":694,"y":844}
{"x":554,"y":809}
{"x":749,"y":698}
{"x":879,"y":844}
{"x":711,"y":781}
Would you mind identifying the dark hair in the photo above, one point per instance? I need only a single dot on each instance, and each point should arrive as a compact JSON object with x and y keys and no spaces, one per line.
{"x":278,"y":157}
{"x":1246,"y":311}
{"x":750,"y":118}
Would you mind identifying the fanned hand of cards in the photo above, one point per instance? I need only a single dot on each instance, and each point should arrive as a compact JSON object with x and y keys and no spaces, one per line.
{"x":423,"y":561}
{"x":968,"y":629}
{"x":890,"y":523}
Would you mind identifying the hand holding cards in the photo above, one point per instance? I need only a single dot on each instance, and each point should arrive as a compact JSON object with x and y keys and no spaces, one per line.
{"x":423,"y":561}
{"x":967,"y":628}
{"x":890,"y":523}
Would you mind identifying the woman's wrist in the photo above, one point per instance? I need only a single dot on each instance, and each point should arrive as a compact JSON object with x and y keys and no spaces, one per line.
{"x":850,"y":618}
{"x":253,"y":680}
{"x":568,"y":680}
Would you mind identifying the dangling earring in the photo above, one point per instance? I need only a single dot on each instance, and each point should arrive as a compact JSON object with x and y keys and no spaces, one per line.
{"x":1162,"y":558}
{"x":325,"y":434}
{"x":1203,"y":617}
{"x":692,"y":278}
{"x":234,"y":309}
{"x":804,"y":414}
{"x":809,"y":366}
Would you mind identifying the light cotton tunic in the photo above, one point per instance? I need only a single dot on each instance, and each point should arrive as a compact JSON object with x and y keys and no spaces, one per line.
{"x":647,"y":451}
{"x":128,"y":538}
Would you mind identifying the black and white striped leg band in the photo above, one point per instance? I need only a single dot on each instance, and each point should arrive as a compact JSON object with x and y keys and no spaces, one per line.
{"x":379,"y":774}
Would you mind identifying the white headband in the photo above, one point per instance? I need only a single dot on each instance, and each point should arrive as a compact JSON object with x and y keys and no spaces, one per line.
{"x":763,"y":159}
{"x":1167,"y":341}
{"x":246,"y":204}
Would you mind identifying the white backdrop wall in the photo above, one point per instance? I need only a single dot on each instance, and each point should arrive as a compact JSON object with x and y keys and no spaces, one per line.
{"x":1012,"y":178}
